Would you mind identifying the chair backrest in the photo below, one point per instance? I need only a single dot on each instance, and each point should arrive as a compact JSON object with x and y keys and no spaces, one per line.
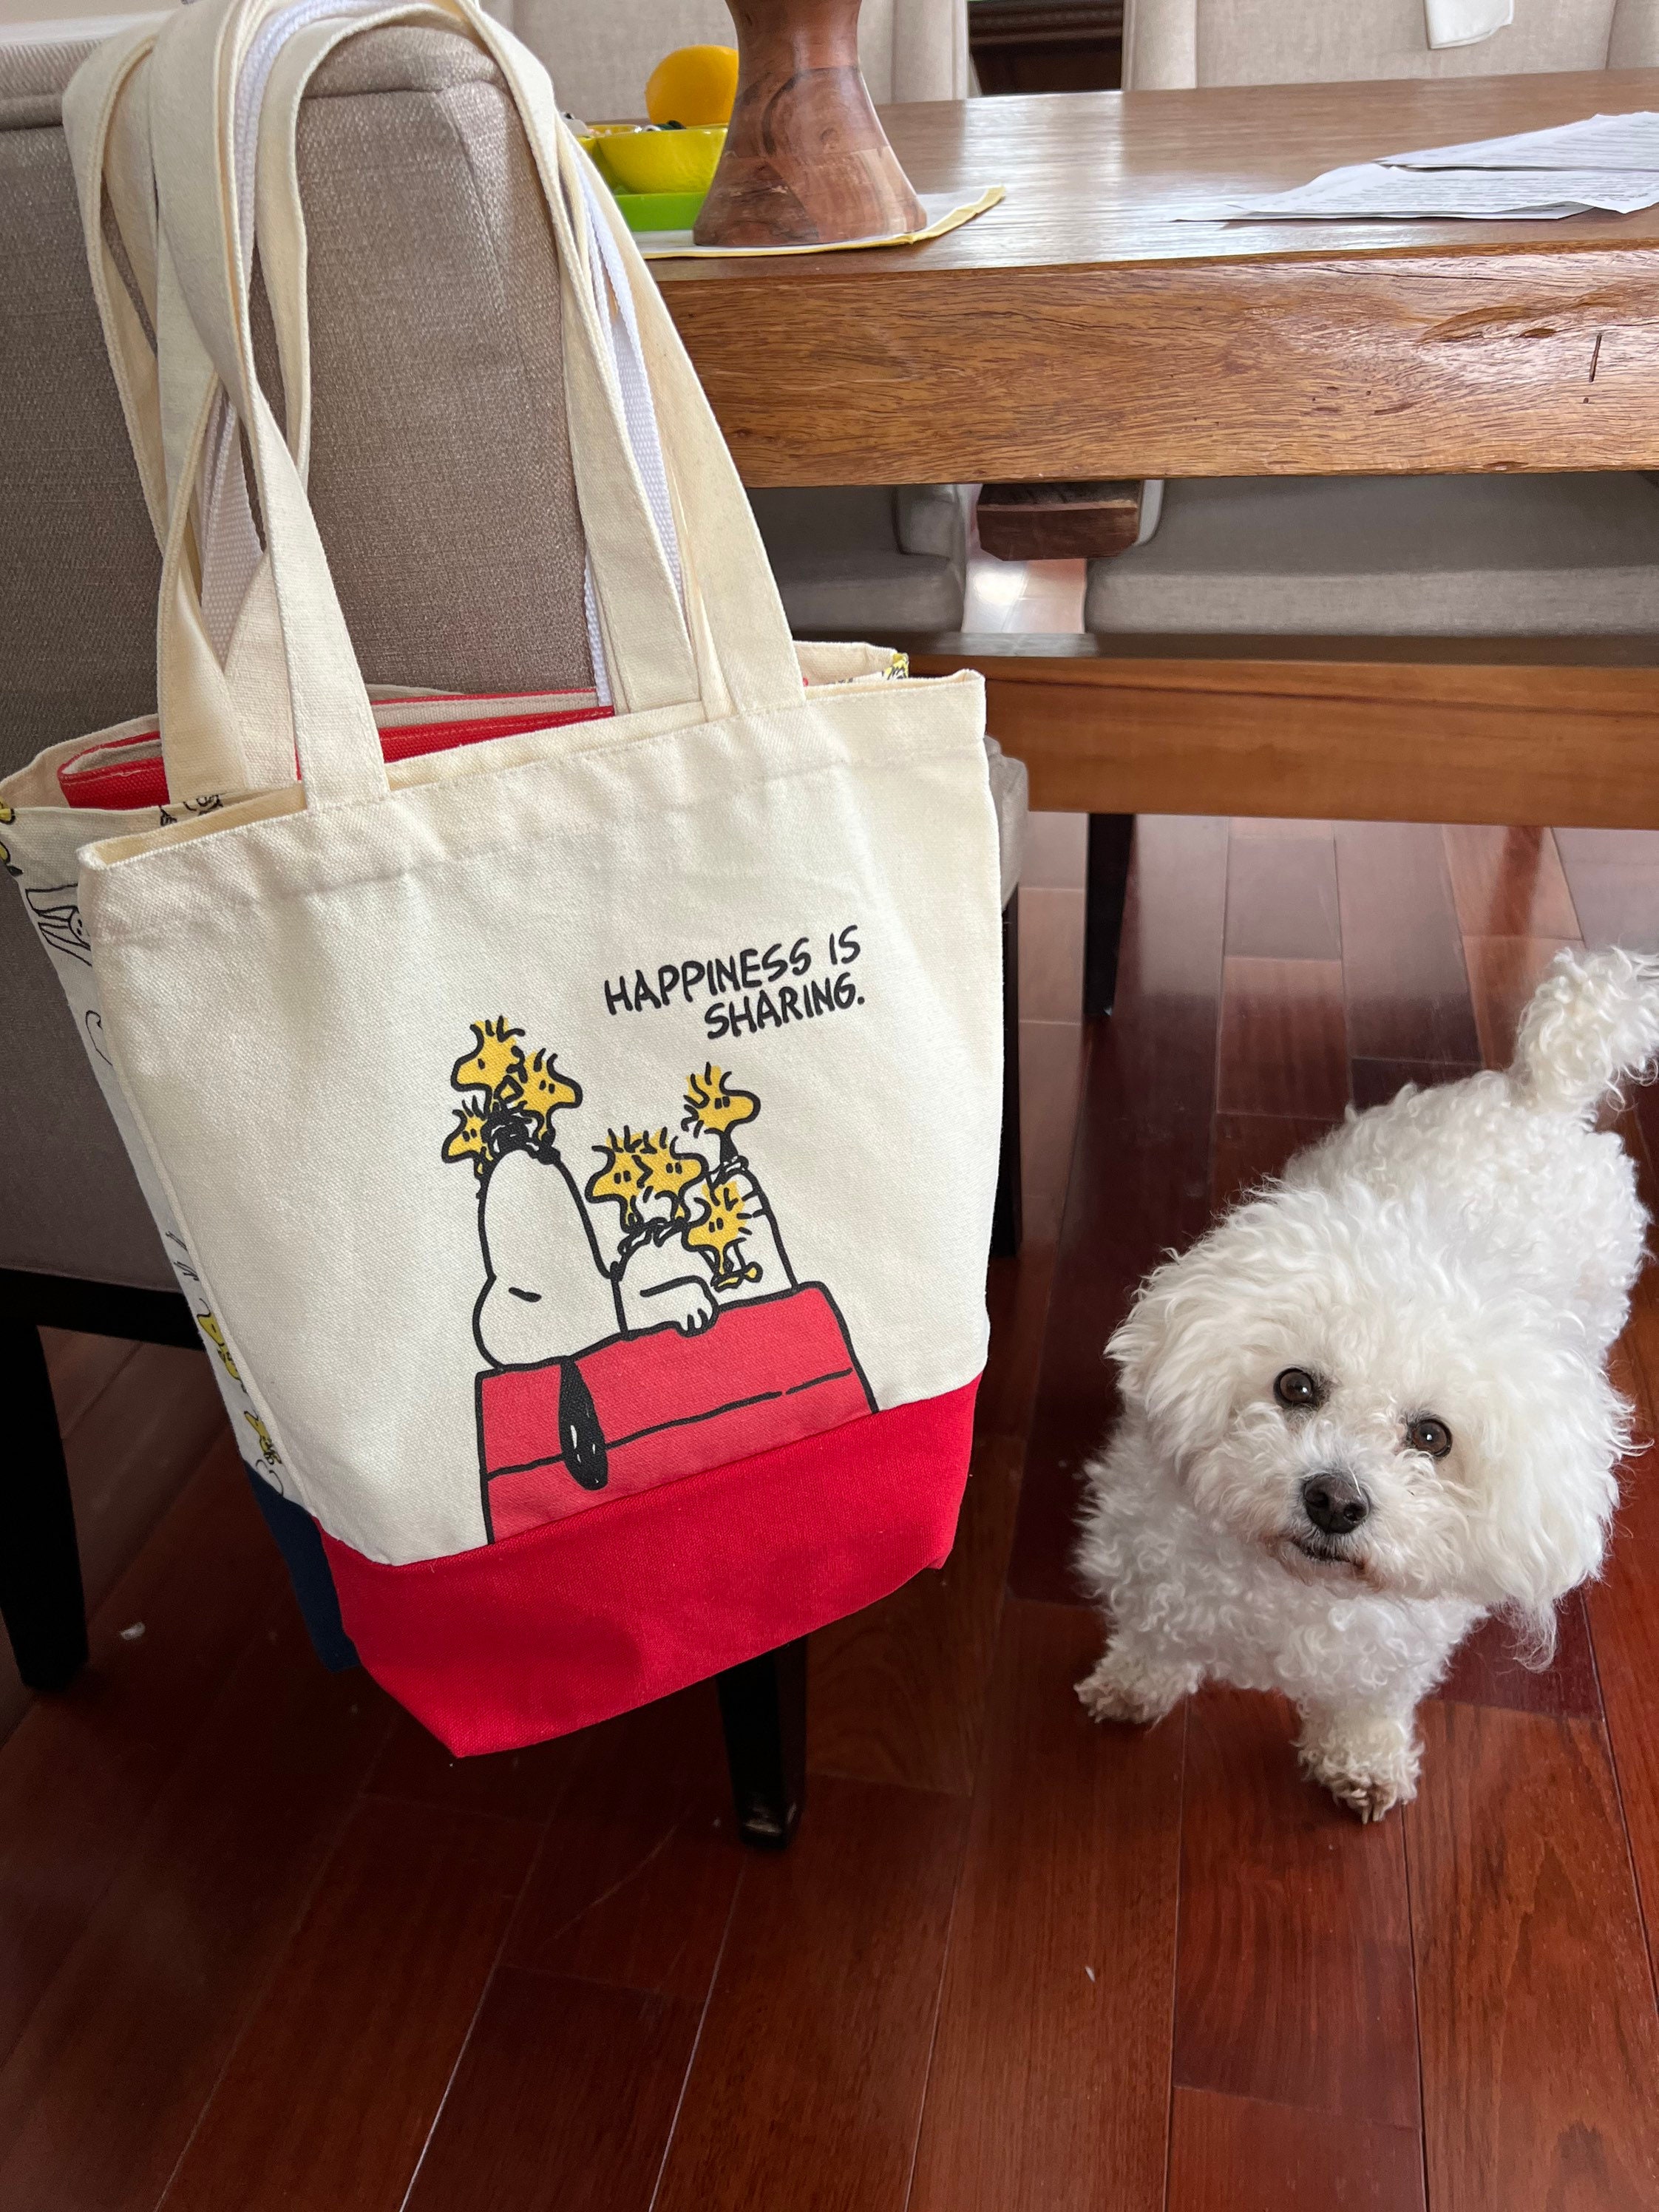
{"x":599,"y":52}
{"x":440,"y":473}
{"x":1169,"y":44}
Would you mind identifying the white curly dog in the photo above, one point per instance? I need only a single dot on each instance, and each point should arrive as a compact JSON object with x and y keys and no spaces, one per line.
{"x":1371,"y":1407}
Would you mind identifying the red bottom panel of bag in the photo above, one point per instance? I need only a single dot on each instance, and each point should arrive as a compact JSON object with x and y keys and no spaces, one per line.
{"x":574,"y":1620}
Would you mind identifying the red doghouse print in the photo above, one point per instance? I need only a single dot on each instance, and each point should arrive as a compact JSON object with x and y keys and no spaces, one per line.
{"x":641,"y":1410}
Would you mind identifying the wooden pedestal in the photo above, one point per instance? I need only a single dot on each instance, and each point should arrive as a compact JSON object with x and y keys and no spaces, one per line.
{"x":806,"y":163}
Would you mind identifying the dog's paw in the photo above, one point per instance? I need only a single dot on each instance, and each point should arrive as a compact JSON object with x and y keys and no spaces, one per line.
{"x":1129,"y":1690}
{"x":1369,"y":1795}
{"x":1372,"y":1775}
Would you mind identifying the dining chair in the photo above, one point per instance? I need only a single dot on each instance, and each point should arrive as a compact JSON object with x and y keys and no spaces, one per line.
{"x":847,"y":559}
{"x":403,"y":123}
{"x":1400,"y":556}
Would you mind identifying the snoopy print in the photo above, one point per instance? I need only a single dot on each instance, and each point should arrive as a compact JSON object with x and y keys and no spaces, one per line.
{"x":635,"y":1346}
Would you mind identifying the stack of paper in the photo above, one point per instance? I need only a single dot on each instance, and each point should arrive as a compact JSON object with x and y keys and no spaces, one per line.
{"x":1607,"y":163}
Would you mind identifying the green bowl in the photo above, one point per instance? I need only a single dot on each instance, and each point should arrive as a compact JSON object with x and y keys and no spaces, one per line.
{"x":660,"y":210}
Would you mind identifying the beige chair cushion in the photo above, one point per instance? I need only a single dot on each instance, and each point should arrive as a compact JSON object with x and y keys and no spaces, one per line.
{"x":862,"y":559}
{"x":599,"y":52}
{"x":1174,"y":43}
{"x":1425,"y":556}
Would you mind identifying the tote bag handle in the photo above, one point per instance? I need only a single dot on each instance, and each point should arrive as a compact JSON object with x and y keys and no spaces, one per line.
{"x":750,"y":662}
{"x":196,"y":70}
{"x":106,"y":123}
{"x":164,"y":381}
{"x":202,"y":259}
{"x":621,"y":482}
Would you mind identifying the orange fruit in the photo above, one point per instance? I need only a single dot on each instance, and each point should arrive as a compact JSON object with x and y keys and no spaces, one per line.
{"x":695,"y":85}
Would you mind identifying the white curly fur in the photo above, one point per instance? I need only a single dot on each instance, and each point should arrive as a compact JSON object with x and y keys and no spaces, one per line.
{"x":1465,"y":1253}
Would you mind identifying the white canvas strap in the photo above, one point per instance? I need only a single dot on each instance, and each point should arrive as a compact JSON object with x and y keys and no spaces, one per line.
{"x":190,"y":710}
{"x":106,"y":128}
{"x":203,"y":266}
{"x":106,"y":124}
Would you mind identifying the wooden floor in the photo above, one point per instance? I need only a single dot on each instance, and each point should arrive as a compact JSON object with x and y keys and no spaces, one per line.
{"x":264,"y":1945}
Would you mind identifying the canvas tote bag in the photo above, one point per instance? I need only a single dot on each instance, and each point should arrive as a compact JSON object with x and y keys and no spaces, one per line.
{"x":586,"y":1137}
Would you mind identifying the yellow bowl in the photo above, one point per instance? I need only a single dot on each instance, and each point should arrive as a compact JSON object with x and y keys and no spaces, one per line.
{"x":659,"y":161}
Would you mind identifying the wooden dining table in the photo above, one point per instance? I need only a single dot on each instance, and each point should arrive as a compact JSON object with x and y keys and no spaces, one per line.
{"x":1082,"y":329}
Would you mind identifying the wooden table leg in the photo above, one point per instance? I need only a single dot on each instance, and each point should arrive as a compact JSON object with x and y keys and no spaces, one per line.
{"x":806,"y":161}
{"x":764,"y":1711}
{"x":41,"y":1594}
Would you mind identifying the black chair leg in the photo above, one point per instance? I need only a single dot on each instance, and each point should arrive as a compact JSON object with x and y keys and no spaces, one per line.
{"x":764,"y":1711}
{"x":1111,"y":838}
{"x":1007,"y":1215}
{"x":41,"y":1594}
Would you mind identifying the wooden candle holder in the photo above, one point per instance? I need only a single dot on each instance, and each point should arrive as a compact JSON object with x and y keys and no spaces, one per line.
{"x":806,"y":163}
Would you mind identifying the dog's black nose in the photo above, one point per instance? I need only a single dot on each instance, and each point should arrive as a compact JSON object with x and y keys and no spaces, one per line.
{"x":1334,"y":1502}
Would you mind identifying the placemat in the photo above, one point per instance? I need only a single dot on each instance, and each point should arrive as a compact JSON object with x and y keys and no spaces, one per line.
{"x":944,"y":210}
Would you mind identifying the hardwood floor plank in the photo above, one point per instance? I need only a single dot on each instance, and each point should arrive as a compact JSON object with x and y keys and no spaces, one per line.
{"x":1281,"y":895}
{"x":1137,"y":1190}
{"x":1295,"y":1968}
{"x":81,"y":1773}
{"x":807,"y":2084}
{"x":1373,"y":1081}
{"x":1050,"y":2083}
{"x":1624,"y":1616}
{"x":107,"y":2081}
{"x":897,"y":1692}
{"x":1613,"y":875}
{"x":1485,"y":1671}
{"x":1251,"y":1148}
{"x":80,"y":1367}
{"x":563,"y":2101}
{"x":338,"y":2076}
{"x":640,"y":1861}
{"x":1402,"y":958}
{"x":1234,"y":2154}
{"x":1050,"y":953}
{"x":1284,"y":1041}
{"x":1535,"y":2007}
{"x":1141,"y":1172}
{"x":1504,"y":973}
{"x":132,"y":1450}
{"x":1016,"y":1293}
{"x":1508,"y":882}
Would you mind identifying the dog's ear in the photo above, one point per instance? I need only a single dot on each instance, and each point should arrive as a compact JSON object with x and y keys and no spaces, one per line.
{"x":1165,"y":1349}
{"x":1134,"y":1346}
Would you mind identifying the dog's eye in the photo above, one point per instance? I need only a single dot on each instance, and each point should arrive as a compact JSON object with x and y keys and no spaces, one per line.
{"x":1427,"y":1434}
{"x":1296,"y":1387}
